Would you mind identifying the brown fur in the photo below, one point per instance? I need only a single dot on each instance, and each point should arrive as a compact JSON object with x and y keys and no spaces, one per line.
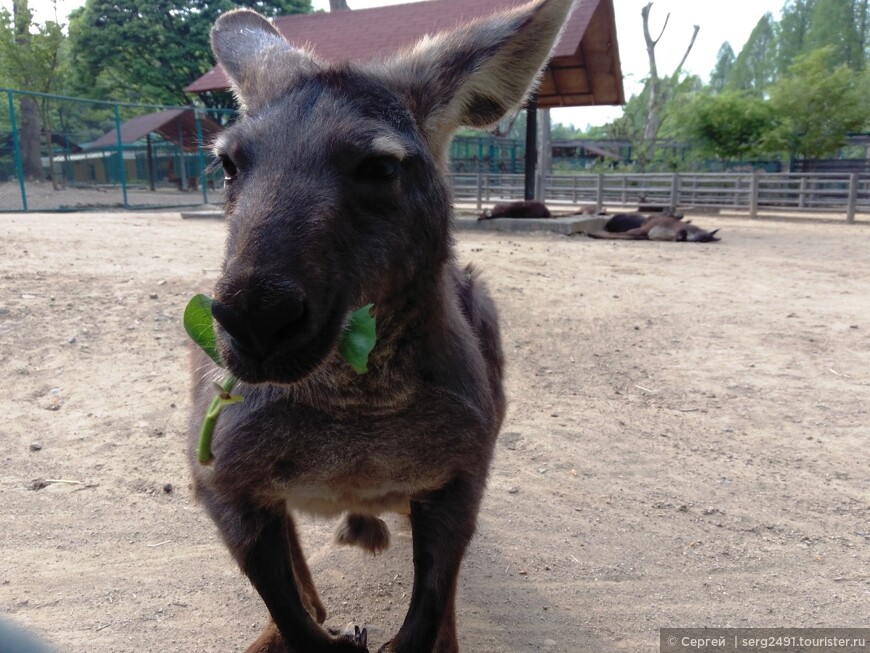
{"x":520,"y":209}
{"x":661,"y":227}
{"x":336,"y":198}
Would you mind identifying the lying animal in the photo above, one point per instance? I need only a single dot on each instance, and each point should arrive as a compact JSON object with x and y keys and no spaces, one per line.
{"x":661,"y":227}
{"x":520,"y":209}
{"x":622,"y":222}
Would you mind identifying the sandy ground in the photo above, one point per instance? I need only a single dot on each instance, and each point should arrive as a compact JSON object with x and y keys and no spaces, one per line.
{"x":687,"y":443}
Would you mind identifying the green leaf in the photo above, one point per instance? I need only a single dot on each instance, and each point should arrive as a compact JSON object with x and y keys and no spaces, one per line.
{"x":199,"y":326}
{"x":358,"y":339}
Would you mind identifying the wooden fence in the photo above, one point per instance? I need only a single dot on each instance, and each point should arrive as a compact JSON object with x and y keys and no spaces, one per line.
{"x":754,"y":192}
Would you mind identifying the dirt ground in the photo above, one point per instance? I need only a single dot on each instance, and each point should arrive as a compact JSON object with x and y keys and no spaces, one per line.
{"x":687,"y":443}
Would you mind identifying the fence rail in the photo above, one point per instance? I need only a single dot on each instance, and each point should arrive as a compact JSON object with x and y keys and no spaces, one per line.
{"x":755,"y":193}
{"x":63,"y":153}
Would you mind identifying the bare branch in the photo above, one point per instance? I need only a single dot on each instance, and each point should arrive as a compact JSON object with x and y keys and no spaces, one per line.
{"x":664,"y":27}
{"x":688,"y":50}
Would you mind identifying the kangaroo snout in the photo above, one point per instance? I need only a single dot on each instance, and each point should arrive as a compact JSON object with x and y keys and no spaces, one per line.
{"x":259,"y":323}
{"x":271,"y":329}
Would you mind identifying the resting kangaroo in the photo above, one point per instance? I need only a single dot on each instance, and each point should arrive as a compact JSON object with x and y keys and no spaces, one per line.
{"x":660,"y":227}
{"x":336,"y":197}
{"x":520,"y":209}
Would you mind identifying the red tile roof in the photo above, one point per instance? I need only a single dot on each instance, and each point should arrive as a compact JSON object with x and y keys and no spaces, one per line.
{"x":363,"y":34}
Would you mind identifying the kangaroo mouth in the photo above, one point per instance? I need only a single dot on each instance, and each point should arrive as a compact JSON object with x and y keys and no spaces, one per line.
{"x":290,"y":352}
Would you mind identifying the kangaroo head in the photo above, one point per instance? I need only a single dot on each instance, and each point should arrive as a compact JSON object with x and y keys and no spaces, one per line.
{"x":335,"y":192}
{"x":697,"y":235}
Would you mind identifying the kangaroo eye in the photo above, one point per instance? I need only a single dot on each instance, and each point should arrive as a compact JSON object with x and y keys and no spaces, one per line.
{"x":379,"y":168}
{"x":230,"y":170}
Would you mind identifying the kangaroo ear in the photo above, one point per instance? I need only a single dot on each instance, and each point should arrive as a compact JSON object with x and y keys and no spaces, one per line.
{"x":476,"y":75}
{"x":258,"y":60}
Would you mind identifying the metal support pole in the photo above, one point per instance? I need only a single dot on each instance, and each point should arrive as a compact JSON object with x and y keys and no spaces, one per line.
{"x":531,"y":145}
{"x":16,"y":151}
{"x":122,"y":172}
{"x":150,"y":158}
{"x":197,"y":116}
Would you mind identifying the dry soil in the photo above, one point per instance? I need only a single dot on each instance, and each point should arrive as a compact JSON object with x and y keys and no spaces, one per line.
{"x":686,"y":445}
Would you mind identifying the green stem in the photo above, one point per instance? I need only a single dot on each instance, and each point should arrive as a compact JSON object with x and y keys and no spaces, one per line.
{"x":222,"y":399}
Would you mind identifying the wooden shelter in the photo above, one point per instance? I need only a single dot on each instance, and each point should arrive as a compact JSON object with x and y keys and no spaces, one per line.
{"x":179,"y":126}
{"x":584,"y":70}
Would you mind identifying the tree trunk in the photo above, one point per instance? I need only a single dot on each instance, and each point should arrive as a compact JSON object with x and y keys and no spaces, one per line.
{"x":658,"y":93}
{"x":29,"y":124}
{"x":338,"y":5}
{"x":29,"y":135}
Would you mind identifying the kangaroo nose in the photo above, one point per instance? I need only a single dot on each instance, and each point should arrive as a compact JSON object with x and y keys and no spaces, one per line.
{"x":258,"y":327}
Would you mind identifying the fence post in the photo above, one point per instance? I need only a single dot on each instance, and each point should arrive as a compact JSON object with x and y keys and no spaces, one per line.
{"x":753,"y":194}
{"x":675,"y":191}
{"x":802,"y":192}
{"x":121,"y":169}
{"x":197,"y":117}
{"x":574,"y":189}
{"x":853,"y":197}
{"x":599,"y":192}
{"x":479,"y":190}
{"x":16,"y":151}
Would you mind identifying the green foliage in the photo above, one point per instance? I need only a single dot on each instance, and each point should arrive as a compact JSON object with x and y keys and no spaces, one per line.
{"x":200,"y":327}
{"x":29,"y":54}
{"x":150,"y":50}
{"x":358,"y":339}
{"x":728,"y":126}
{"x":833,"y":25}
{"x":817,"y":107}
{"x":754,"y":68}
{"x":791,"y":32}
{"x":724,"y":63}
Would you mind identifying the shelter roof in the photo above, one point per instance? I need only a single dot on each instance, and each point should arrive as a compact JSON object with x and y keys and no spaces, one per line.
{"x":176,"y":125}
{"x":584,"y":70}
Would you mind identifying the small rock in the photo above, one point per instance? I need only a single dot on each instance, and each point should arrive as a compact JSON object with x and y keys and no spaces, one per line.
{"x":549,"y":643}
{"x":152,"y":295}
{"x":514,"y":490}
{"x":168,"y":488}
{"x":72,"y":340}
{"x":35,"y":446}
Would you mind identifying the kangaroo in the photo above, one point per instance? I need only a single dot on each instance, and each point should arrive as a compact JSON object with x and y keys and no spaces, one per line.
{"x":520,"y":209}
{"x":337,"y":197}
{"x":661,"y":227}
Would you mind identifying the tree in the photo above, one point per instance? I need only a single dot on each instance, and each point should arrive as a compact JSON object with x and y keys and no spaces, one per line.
{"x":791,"y":33}
{"x":724,"y":64}
{"x":728,"y":126}
{"x":659,"y":90}
{"x":817,"y":107}
{"x":30,"y":55}
{"x":149,"y":51}
{"x":833,"y":24}
{"x":754,"y":69}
